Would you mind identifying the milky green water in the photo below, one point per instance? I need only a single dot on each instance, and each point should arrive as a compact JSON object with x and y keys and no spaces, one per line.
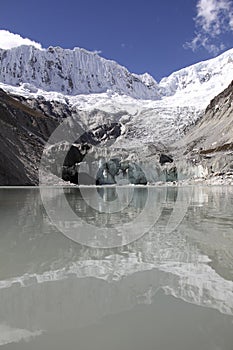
{"x":170,"y":288}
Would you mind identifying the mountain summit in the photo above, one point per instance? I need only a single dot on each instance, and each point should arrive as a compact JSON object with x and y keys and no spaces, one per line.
{"x":78,"y":71}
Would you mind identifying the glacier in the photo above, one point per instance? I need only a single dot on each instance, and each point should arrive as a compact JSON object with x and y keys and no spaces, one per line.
{"x":86,"y":81}
{"x":97,"y":92}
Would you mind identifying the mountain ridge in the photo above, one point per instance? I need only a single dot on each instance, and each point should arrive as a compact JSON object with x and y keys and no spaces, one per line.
{"x":79,"y":71}
{"x":70,"y":72}
{"x":58,"y":83}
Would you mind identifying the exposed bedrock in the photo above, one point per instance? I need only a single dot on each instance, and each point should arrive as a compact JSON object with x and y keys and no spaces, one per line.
{"x":207,"y":148}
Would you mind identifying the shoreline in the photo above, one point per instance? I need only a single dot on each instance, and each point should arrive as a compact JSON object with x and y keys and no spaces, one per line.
{"x":213,"y":180}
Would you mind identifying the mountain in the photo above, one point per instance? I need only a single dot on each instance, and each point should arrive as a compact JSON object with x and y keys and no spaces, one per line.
{"x":209,"y":143}
{"x":78,"y":71}
{"x":71,"y":72}
{"x":168,"y":261}
{"x":23,"y":134}
{"x":105,"y":102}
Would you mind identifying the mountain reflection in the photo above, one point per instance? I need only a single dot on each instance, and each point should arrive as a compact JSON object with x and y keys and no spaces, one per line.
{"x":39,"y":266}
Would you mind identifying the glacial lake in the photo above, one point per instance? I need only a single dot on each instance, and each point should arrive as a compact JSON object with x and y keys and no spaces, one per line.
{"x":161,"y":280}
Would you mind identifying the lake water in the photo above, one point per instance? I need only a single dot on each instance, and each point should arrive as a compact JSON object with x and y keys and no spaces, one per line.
{"x":163,"y":281}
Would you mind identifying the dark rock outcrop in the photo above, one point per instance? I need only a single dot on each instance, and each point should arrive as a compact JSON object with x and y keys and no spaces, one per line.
{"x":23,"y":133}
{"x":107,"y":172}
{"x":171,"y":174}
{"x":75,"y":154}
{"x":164,"y":158}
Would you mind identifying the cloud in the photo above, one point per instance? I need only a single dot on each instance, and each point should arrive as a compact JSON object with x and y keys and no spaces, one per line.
{"x":126,"y":46}
{"x":214,"y":18}
{"x":9,"y":40}
{"x":97,"y":52}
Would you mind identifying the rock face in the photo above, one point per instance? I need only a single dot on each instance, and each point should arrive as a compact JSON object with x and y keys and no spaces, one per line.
{"x":209,"y":144}
{"x":23,"y":132}
{"x":164,"y":158}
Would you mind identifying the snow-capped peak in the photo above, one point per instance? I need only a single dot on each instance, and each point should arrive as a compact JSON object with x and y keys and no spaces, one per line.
{"x":9,"y":40}
{"x":201,"y":76}
{"x":70,"y":72}
{"x":147,"y":79}
{"x":23,"y":63}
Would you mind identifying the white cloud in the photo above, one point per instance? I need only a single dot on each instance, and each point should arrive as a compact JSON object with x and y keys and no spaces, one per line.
{"x":214,"y":18}
{"x":9,"y":40}
{"x":97,"y":52}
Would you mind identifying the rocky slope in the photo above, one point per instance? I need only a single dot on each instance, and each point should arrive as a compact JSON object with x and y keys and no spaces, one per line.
{"x":209,"y":144}
{"x":26,"y":126}
{"x":23,"y":133}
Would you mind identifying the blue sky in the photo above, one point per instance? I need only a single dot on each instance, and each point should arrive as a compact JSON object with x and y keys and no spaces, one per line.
{"x":151,"y":36}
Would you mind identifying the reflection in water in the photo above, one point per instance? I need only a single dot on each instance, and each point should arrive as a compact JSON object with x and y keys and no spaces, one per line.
{"x":98,"y":209}
{"x":103,"y":219}
{"x":50,"y":285}
{"x":108,"y":193}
